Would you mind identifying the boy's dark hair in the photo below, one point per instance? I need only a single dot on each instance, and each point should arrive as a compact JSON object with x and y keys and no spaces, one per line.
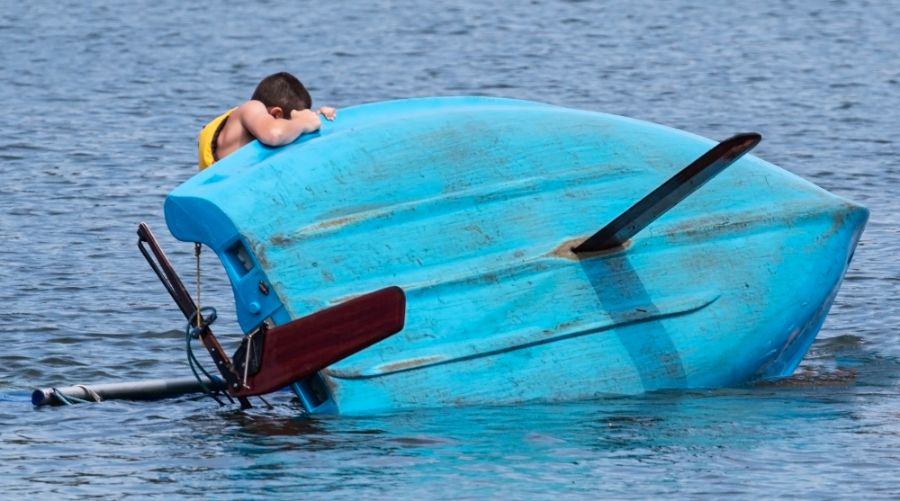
{"x":283,"y":90}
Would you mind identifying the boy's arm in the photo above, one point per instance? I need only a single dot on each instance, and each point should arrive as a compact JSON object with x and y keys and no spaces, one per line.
{"x":272,"y":131}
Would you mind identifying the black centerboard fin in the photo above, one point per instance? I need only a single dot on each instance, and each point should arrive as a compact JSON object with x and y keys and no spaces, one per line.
{"x":670,"y":193}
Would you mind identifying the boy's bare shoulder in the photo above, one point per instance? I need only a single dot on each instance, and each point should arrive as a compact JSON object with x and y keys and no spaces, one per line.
{"x":249,"y":108}
{"x":238,"y":129}
{"x":245,"y":118}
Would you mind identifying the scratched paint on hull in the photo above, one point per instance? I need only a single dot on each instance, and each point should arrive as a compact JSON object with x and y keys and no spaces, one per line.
{"x":469,"y":204}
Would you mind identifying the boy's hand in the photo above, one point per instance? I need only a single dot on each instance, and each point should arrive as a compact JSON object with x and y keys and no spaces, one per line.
{"x":328,"y":112}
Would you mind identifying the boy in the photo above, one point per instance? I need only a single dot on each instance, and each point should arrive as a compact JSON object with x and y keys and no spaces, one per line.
{"x":277,"y":114}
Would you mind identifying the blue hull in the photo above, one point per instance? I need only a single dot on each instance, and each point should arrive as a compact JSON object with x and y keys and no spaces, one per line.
{"x":472,"y":205}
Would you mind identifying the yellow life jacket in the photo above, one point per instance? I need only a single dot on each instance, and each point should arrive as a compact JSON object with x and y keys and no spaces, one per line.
{"x":209,"y":135}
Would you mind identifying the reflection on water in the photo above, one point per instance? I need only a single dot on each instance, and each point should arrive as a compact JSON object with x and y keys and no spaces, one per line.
{"x":189,"y":445}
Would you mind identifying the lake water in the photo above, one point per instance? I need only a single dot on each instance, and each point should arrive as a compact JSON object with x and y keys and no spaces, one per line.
{"x":102,"y":102}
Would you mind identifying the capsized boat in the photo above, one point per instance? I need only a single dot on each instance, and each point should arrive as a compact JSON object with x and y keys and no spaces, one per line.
{"x":480,"y":210}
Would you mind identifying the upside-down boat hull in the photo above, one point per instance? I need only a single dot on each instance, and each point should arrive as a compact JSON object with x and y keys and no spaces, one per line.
{"x":472,"y":206}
